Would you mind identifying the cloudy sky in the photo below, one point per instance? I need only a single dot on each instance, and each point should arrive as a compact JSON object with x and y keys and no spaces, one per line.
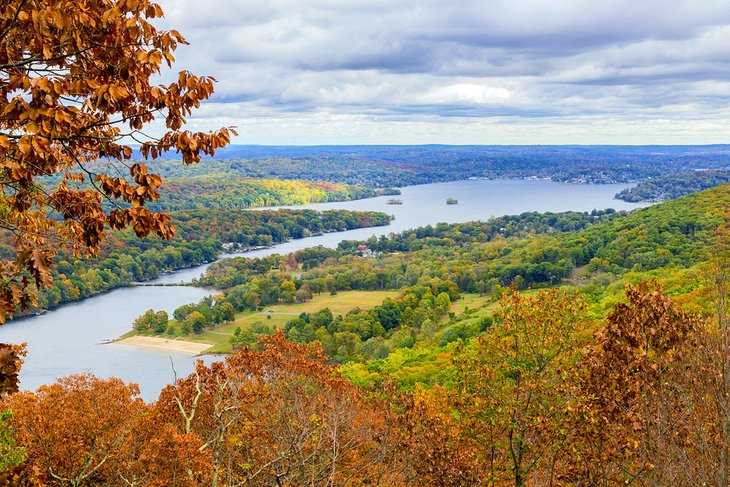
{"x":460,"y":71}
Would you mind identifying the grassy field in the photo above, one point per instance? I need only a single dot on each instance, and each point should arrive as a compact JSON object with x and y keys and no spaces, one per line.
{"x":473,"y":307}
{"x":470,"y":301}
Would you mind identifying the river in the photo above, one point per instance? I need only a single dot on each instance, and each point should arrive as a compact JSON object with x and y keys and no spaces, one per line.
{"x":69,"y":339}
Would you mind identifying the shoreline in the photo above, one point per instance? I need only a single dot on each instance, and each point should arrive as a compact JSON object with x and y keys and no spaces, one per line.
{"x":166,"y":344}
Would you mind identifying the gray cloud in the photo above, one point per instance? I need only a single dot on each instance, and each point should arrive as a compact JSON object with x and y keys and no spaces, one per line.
{"x":437,"y":68}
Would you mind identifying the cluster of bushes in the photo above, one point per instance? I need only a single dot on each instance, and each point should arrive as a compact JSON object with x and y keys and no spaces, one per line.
{"x":152,"y":320}
{"x":189,"y":318}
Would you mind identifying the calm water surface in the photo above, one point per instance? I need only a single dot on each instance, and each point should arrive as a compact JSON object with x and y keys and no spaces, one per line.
{"x":68,"y":340}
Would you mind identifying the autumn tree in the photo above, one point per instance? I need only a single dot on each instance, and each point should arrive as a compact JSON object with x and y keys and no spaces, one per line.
{"x":433,"y":443}
{"x":706,"y":459}
{"x":77,"y":86}
{"x":637,"y":384}
{"x":83,"y":430}
{"x":280,"y":416}
{"x":71,"y":430}
{"x":155,"y":453}
{"x":10,"y":362}
{"x":720,"y":279}
{"x":511,"y":391}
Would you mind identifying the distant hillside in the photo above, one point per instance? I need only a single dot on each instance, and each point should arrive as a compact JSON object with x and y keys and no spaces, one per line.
{"x":211,"y":184}
{"x":673,"y":186}
{"x":382,"y":166}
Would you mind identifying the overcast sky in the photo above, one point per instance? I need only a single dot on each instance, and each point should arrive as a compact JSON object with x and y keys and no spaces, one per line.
{"x":460,"y":71}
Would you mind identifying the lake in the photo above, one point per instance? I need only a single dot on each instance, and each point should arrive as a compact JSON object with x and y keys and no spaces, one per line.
{"x":68,"y":340}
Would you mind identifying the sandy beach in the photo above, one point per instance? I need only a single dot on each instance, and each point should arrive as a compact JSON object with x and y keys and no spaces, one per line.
{"x":192,"y":348}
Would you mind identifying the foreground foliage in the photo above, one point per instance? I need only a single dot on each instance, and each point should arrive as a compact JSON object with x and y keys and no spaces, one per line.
{"x":270,"y":417}
{"x":643,"y":403}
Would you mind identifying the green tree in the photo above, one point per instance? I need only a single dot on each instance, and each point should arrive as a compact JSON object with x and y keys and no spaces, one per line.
{"x":511,"y":388}
{"x":223,"y":311}
{"x":388,"y":314}
{"x":442,"y":304}
{"x":196,"y":320}
{"x":253,"y":300}
{"x":145,"y":321}
{"x":287,"y":291}
{"x":182,"y":311}
{"x":161,"y":320}
{"x":322,"y":318}
{"x":10,"y":454}
{"x":303,"y":294}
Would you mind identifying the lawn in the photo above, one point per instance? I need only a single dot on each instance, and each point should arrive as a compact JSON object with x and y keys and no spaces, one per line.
{"x":471,"y":301}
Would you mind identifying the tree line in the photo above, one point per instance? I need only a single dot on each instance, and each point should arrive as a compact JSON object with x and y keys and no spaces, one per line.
{"x":125,"y":258}
{"x":205,"y":188}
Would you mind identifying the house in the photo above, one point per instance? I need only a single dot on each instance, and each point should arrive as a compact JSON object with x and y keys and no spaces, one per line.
{"x":364,"y":251}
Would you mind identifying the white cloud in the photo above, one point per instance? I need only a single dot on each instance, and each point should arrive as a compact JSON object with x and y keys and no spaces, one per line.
{"x":467,"y":93}
{"x":472,"y":71}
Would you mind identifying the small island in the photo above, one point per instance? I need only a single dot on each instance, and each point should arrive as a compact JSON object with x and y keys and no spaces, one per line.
{"x":394,"y":202}
{"x":452,"y":201}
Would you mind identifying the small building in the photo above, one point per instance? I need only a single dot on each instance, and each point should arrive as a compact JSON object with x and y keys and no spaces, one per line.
{"x":364,"y":251}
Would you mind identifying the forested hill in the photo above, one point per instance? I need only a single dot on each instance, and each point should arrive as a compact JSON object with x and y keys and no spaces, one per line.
{"x":405,"y":165}
{"x":219,"y":191}
{"x":210,"y":185}
{"x":673,"y":186}
{"x":676,"y":233}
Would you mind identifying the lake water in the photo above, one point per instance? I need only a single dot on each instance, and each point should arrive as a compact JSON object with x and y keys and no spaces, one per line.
{"x":68,"y":340}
